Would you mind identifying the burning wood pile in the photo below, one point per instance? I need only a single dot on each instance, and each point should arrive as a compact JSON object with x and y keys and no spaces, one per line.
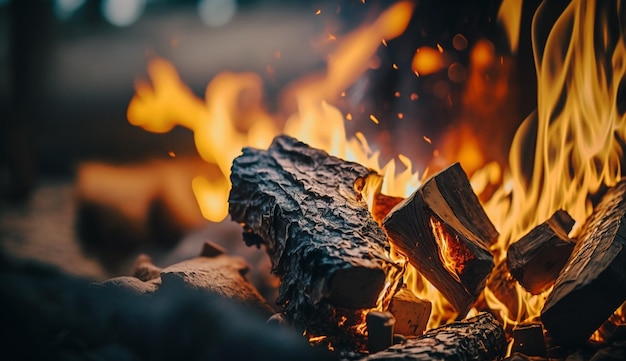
{"x":343,"y":286}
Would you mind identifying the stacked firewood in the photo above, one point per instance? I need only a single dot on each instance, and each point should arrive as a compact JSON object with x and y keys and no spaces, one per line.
{"x":309,"y":211}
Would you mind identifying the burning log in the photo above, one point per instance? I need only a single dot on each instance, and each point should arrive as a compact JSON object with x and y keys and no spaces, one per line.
{"x":411,"y":313}
{"x":477,"y":338}
{"x":537,"y":258}
{"x":309,"y":210}
{"x":445,"y":234}
{"x":593,"y":283}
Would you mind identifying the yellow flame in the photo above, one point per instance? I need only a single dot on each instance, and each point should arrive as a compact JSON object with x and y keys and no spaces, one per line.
{"x":510,"y":15}
{"x":578,"y":127}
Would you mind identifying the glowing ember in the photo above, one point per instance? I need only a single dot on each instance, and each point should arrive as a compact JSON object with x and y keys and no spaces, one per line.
{"x":453,"y":254}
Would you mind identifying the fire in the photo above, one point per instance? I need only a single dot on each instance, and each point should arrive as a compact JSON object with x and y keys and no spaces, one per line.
{"x":579,"y":124}
{"x":453,"y":255}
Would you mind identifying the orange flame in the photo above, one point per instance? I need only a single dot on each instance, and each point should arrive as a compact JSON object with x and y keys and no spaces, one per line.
{"x":578,"y":127}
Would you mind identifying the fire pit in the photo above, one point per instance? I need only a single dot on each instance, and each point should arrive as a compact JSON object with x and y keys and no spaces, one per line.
{"x":468,"y":259}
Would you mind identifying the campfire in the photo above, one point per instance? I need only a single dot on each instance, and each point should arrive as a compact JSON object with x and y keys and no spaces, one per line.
{"x":465,"y":259}
{"x":360,"y":247}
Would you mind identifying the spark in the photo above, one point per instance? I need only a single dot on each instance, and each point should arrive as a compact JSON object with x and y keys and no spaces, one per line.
{"x":384,"y":42}
{"x":428,"y":140}
{"x":349,"y":116}
{"x":319,"y":11}
{"x":440,"y":48}
{"x":373,"y":118}
{"x":171,"y":154}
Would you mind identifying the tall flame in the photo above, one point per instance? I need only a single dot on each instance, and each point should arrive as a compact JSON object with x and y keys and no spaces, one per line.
{"x":576,"y":136}
{"x":232,"y":115}
{"x":574,"y":139}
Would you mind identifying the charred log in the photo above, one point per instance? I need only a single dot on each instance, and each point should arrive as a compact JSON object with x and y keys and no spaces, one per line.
{"x":308,"y":209}
{"x":592,"y":284}
{"x":477,"y":338}
{"x":444,"y":232}
{"x":537,"y":258}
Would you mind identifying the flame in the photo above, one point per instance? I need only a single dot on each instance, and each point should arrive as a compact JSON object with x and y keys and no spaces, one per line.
{"x":510,"y":15}
{"x":451,"y":251}
{"x":579,"y":125}
{"x":579,"y":128}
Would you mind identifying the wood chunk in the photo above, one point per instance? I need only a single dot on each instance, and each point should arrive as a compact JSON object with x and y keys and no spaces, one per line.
{"x":221,"y":275}
{"x":411,"y":313}
{"x":592,"y":285}
{"x":477,"y":338}
{"x":306,"y":207}
{"x":537,"y":258}
{"x":528,"y":339}
{"x":444,"y":232}
{"x":380,"y":326}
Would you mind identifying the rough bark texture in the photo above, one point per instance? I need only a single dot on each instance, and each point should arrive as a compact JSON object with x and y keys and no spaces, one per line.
{"x":592,"y":285}
{"x":537,"y":258}
{"x":477,"y":338}
{"x":443,"y":221}
{"x":221,"y":275}
{"x":306,"y":207}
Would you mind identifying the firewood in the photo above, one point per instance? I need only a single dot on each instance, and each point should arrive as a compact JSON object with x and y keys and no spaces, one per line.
{"x":308,"y":209}
{"x":380,"y":326}
{"x":477,"y":338}
{"x":537,"y":258}
{"x":410,"y":311}
{"x":592,"y":285}
{"x":528,"y":339}
{"x":445,"y":234}
{"x":222,"y":275}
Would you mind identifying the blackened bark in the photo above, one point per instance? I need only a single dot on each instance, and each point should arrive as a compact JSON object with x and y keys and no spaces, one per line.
{"x":592,"y":285}
{"x":477,"y":338}
{"x":306,"y":207}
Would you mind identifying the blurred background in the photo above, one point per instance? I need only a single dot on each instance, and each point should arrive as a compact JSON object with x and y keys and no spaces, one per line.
{"x":84,"y":190}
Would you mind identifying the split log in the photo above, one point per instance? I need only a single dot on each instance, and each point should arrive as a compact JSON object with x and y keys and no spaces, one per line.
{"x":592,"y":285}
{"x":477,"y":338}
{"x":444,"y":232}
{"x":537,"y":258}
{"x":411,"y":313}
{"x":308,"y":209}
